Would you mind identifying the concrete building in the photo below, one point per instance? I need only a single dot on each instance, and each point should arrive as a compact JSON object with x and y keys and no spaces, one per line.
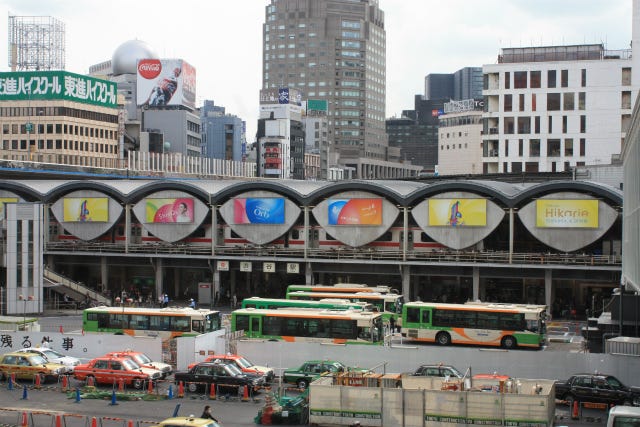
{"x":335,"y":51}
{"x":554,"y":108}
{"x":223,"y":134}
{"x":460,"y":140}
{"x":466,"y":83}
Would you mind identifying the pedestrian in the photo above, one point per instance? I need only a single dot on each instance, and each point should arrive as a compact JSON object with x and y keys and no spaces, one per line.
{"x":165,"y":300}
{"x":206,"y":414}
{"x":235,"y":301}
{"x":192,"y":303}
{"x":392,"y":324}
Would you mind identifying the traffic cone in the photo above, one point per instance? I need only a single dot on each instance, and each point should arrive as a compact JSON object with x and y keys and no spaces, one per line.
{"x":574,"y":412}
{"x":24,"y":393}
{"x":65,"y":383}
{"x":13,"y":378}
{"x":90,"y":382}
{"x":181,"y":389}
{"x":24,"y":422}
{"x":113,"y":398}
{"x":10,"y":383}
{"x":78,"y":399}
{"x":120,"y":385}
{"x":170,"y":392}
{"x":58,"y":420}
{"x":212,"y":392}
{"x":150,"y":388}
{"x":94,"y":422}
{"x":245,"y":394}
{"x":130,"y":423}
{"x":38,"y":381}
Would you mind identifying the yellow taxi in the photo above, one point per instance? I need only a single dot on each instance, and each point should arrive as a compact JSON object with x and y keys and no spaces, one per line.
{"x":188,"y":421}
{"x":26,"y":366}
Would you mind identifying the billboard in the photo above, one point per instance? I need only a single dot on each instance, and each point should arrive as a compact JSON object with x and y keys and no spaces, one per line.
{"x":169,"y":210}
{"x":355,"y":211}
{"x":85,"y":209}
{"x":567,"y":213}
{"x":163,"y":82}
{"x":283,"y":95}
{"x":263,"y":210}
{"x":54,"y":85}
{"x":4,"y":200}
{"x":457,"y":212}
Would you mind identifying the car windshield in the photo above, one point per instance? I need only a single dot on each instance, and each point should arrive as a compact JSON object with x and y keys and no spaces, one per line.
{"x":142,"y":359}
{"x":233,"y":370}
{"x":130,"y":364}
{"x":244,"y":362}
{"x":36,"y":359}
{"x":51,"y":354}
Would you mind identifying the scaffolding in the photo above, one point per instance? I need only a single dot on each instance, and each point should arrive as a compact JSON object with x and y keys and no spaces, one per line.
{"x":36,"y":43}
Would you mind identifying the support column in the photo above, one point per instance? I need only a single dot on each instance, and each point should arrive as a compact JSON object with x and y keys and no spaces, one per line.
{"x":405,"y":273}
{"x":308,"y":274}
{"x":510,"y":235}
{"x":176,"y":284}
{"x":548,"y":290}
{"x":214,"y":229}
{"x":127,"y":227}
{"x":216,"y":284}
{"x":159,"y":277}
{"x":307,"y":232}
{"x":233,"y":285}
{"x":104,"y":274}
{"x":405,"y":228}
{"x":476,"y":283}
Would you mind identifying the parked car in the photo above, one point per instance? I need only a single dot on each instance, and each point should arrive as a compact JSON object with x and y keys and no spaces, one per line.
{"x":311,"y":370}
{"x":242,"y":363}
{"x":438,"y":370}
{"x":144,"y":361}
{"x":225,"y":375}
{"x":26,"y":366}
{"x":53,"y":356}
{"x":626,"y":416}
{"x":188,"y":422}
{"x":112,"y":370}
{"x":596,"y":388}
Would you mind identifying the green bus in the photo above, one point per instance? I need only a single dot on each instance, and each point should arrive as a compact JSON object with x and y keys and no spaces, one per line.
{"x":390,"y":305}
{"x":327,"y":303}
{"x":500,"y":325}
{"x":310,"y":325}
{"x":344,"y":288}
{"x":169,"y":322}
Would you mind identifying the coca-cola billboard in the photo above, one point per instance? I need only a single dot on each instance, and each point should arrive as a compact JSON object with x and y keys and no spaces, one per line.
{"x":164,"y":82}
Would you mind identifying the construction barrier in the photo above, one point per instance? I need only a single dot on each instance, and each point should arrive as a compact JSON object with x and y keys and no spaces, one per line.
{"x":57,"y":419}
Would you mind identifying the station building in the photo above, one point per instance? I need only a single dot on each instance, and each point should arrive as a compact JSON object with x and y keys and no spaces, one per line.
{"x":556,"y":243}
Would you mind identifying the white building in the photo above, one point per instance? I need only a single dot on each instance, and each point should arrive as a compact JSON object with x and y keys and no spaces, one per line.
{"x":275,"y":156}
{"x":460,"y":139}
{"x":553,"y":108}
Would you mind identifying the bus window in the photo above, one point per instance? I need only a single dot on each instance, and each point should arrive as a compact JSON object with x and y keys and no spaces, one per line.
{"x":426,"y":317}
{"x":242,"y":323}
{"x":413,"y":315}
{"x":197,"y":326}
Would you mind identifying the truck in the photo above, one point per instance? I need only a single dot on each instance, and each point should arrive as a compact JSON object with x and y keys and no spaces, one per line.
{"x":623,"y":416}
{"x":596,"y":388}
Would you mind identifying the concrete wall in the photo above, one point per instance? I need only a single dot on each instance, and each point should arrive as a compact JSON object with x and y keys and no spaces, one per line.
{"x":568,"y":239}
{"x":86,"y":230}
{"x":457,"y":237}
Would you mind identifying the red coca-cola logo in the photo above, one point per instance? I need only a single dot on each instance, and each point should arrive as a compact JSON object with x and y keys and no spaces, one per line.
{"x":149,"y":68}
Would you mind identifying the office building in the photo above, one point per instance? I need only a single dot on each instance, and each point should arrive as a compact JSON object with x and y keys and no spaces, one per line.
{"x":466,"y":83}
{"x":554,"y":108}
{"x":460,"y":140}
{"x":222,"y":134}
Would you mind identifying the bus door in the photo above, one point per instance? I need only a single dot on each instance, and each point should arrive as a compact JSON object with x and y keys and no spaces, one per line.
{"x":255,"y":326}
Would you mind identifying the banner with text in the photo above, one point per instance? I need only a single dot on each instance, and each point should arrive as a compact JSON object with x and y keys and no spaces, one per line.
{"x":267,"y":210}
{"x":558,"y":213}
{"x":355,"y":212}
{"x":169,"y":210}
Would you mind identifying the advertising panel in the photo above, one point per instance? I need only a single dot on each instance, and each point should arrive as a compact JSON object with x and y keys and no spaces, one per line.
{"x":283,"y":95}
{"x":86,"y":209}
{"x":355,"y":212}
{"x":4,"y":200}
{"x":50,"y":85}
{"x":163,"y":82}
{"x":169,"y":210}
{"x":259,"y":210}
{"x":457,"y":212}
{"x":564,"y":213}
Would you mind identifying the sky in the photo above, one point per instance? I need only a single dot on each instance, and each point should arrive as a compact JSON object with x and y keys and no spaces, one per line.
{"x":222,"y":39}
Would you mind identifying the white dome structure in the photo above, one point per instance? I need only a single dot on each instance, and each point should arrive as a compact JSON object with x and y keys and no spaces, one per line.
{"x":125,"y":57}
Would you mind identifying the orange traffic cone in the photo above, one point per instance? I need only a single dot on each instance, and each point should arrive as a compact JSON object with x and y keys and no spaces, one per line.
{"x":574,"y":412}
{"x":25,"y":421}
{"x":120,"y":385}
{"x":38,"y":381}
{"x":130,"y":423}
{"x":58,"y":420}
{"x":65,"y":383}
{"x":212,"y":392}
{"x":181,"y":389}
{"x":245,"y":394}
{"x":94,"y":422}
{"x":150,"y":388}
{"x":90,"y":382}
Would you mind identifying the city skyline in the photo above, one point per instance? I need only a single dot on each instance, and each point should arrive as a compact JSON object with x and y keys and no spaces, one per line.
{"x":422,"y":38}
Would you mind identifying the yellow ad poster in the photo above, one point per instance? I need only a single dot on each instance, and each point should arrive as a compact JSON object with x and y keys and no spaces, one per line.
{"x":86,"y":209}
{"x":4,"y":200}
{"x":553,"y":213}
{"x":457,"y":212}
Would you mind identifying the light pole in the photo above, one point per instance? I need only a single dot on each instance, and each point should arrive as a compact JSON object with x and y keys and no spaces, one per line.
{"x":24,"y":309}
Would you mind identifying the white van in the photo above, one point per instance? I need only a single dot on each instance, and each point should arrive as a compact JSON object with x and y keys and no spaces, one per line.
{"x":624,"y":416}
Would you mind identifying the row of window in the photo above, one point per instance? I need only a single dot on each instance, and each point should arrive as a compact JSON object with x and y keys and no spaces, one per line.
{"x":524,"y":125}
{"x":58,"y":129}
{"x":555,"y":101}
{"x":42,"y":111}
{"x":554,"y":148}
{"x":59,"y":144}
{"x":467,"y":319}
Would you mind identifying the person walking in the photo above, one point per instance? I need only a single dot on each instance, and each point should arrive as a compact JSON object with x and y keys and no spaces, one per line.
{"x":206,"y":414}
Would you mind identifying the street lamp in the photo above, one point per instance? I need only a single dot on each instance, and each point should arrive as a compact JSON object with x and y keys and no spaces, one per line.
{"x":24,"y":309}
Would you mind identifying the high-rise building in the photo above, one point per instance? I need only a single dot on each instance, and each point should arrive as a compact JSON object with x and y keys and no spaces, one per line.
{"x":466,"y":83}
{"x":222,"y":134}
{"x":335,"y":51}
{"x":552,"y":108}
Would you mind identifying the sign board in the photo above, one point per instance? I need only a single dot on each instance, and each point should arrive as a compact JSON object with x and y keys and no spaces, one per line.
{"x":566,"y":213}
{"x":293,"y":268}
{"x":245,"y":266}
{"x":269,"y":267}
{"x":222,"y":265}
{"x":166,"y":82}
{"x":457,"y":212}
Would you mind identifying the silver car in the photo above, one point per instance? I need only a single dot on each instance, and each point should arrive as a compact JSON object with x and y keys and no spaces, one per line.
{"x":53,"y":356}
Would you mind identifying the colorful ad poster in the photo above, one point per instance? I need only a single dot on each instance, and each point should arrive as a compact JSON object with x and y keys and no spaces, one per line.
{"x":86,"y":209}
{"x":355,"y":212}
{"x":457,"y":212}
{"x":552,"y":213}
{"x":268,"y":210}
{"x":4,"y":200}
{"x":163,"y":82}
{"x":169,"y":210}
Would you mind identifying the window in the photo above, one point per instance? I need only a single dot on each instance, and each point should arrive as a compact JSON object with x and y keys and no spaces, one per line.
{"x":551,"y":78}
{"x":507,"y":80}
{"x":568,"y":147}
{"x":506,"y":148}
{"x":583,"y":124}
{"x":583,"y":77}
{"x":568,"y":104}
{"x":521,"y":102}
{"x":534,"y":148}
{"x":508,"y":101}
{"x":564,"y":78}
{"x":583,"y":143}
{"x":553,"y":102}
{"x":536,"y":124}
{"x":508,"y":125}
{"x":520,"y":147}
{"x":524,"y":125}
{"x":534,"y":102}
{"x":626,"y":76}
{"x":550,"y":125}
{"x":519,"y":79}
{"x":553,"y":148}
{"x":535,"y":79}
{"x":581,"y":100}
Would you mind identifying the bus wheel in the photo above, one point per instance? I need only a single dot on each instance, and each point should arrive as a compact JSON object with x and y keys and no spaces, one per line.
{"x":509,"y":342}
{"x":443,"y":338}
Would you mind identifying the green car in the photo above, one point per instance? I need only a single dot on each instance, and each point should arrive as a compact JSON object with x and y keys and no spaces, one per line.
{"x":311,"y":370}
